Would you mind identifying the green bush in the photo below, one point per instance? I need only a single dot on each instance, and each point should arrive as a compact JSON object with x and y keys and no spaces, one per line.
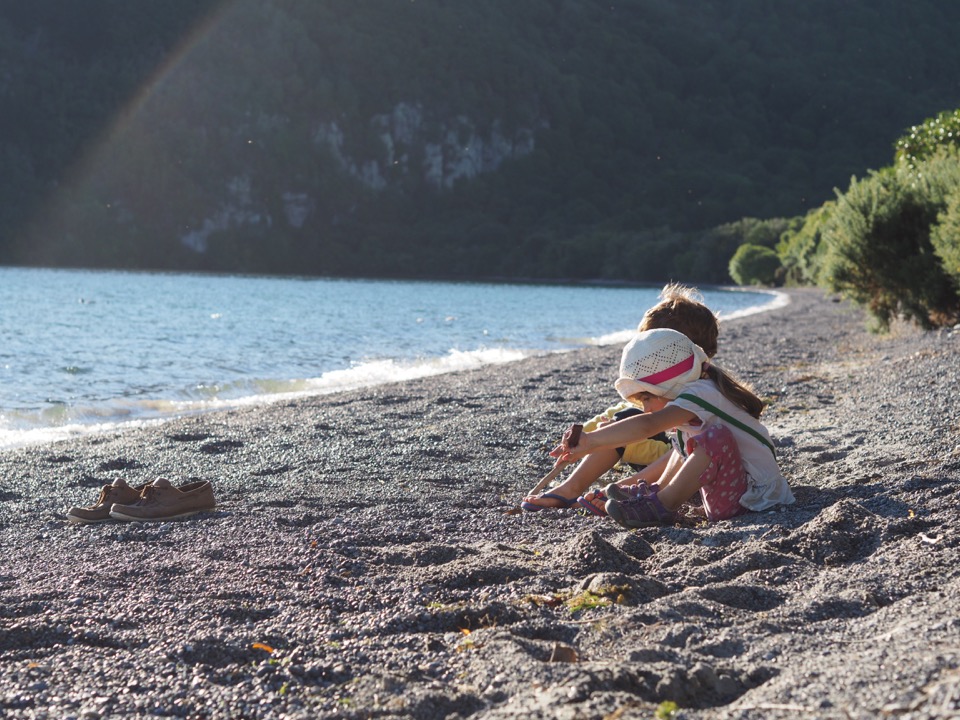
{"x":921,"y":142}
{"x":945,"y":238}
{"x":800,"y":249}
{"x":754,"y":265}
{"x":704,"y":257}
{"x":878,"y":247}
{"x":758,"y":232}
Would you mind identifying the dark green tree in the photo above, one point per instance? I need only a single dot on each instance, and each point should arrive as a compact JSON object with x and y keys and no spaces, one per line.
{"x":945,"y":237}
{"x":754,"y":265}
{"x":878,"y":247}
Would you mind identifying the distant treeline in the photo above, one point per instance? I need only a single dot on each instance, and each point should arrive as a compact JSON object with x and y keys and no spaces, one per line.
{"x":251,"y":135}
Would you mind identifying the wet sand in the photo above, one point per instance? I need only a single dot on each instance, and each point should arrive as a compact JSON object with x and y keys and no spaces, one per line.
{"x":361,"y":563}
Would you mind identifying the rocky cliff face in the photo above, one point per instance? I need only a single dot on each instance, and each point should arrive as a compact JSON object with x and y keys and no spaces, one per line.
{"x":408,"y":147}
{"x":438,"y":152}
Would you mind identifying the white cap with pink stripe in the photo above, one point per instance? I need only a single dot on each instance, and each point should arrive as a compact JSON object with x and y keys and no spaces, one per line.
{"x":660,"y":362}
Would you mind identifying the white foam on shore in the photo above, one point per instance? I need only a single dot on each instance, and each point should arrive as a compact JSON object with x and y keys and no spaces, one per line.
{"x":778,"y":300}
{"x":24,"y":429}
{"x":369,"y":374}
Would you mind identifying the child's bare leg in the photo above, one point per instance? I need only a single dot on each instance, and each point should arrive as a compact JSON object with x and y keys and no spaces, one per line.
{"x":587,"y":472}
{"x":681,"y":480}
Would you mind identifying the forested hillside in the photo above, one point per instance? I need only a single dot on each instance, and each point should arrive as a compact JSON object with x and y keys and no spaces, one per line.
{"x":542,"y":138}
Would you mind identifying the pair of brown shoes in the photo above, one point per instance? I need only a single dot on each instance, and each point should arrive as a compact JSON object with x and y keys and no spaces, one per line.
{"x":152,"y":502}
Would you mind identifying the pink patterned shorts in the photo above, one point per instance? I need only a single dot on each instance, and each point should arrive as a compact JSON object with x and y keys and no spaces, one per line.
{"x":724,"y":481}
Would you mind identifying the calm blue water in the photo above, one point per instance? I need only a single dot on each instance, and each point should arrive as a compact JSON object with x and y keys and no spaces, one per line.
{"x":84,"y":351}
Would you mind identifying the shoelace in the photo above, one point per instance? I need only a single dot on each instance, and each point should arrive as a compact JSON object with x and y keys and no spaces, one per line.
{"x":148,"y":495}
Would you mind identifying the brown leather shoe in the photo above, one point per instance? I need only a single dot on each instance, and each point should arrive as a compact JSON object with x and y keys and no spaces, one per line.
{"x":118,"y":492}
{"x":162,"y":501}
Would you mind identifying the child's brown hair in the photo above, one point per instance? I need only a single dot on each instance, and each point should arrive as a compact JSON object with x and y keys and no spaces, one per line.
{"x":681,"y":308}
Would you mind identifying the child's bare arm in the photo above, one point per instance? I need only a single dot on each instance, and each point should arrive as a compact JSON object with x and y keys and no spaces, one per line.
{"x":624,"y":432}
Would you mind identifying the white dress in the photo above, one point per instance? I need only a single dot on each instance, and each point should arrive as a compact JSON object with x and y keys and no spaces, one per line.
{"x":766,"y":485}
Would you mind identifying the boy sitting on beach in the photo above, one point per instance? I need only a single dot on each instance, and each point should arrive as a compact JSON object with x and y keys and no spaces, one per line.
{"x":682,"y":309}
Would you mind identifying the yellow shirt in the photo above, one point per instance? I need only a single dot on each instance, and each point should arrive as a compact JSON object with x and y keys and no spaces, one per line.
{"x":643,"y":452}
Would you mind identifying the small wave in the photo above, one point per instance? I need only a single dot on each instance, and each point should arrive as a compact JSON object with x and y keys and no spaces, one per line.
{"x":367,"y":374}
{"x":384,"y":371}
{"x":61,"y":422}
{"x":778,"y":300}
{"x":621,"y":337}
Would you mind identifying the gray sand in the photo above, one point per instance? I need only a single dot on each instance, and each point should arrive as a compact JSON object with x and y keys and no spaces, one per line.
{"x":363,"y":537}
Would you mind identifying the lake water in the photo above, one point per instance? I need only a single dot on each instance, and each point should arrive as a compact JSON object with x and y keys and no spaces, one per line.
{"x":86,"y":351}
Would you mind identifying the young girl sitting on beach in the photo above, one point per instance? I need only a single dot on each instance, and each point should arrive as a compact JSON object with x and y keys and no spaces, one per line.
{"x":720,"y":449}
{"x":679,"y":308}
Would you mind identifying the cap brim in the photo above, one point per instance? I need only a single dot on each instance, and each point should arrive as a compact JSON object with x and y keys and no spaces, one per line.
{"x":627,"y":387}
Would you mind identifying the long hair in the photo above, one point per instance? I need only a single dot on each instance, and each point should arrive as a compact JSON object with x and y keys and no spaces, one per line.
{"x":735,"y":391}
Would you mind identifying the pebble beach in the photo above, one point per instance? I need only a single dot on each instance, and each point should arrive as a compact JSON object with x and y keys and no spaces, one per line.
{"x":363,"y":560}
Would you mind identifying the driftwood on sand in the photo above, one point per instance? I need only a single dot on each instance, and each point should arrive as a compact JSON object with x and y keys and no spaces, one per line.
{"x":361,"y":563}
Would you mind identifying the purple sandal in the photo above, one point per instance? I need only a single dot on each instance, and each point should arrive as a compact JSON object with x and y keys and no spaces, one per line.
{"x":590,"y":507}
{"x":628,"y":492}
{"x":533,"y":507}
{"x":640,"y":511}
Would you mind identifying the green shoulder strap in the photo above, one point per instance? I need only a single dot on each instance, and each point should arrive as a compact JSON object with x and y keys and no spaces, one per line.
{"x":730,"y":419}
